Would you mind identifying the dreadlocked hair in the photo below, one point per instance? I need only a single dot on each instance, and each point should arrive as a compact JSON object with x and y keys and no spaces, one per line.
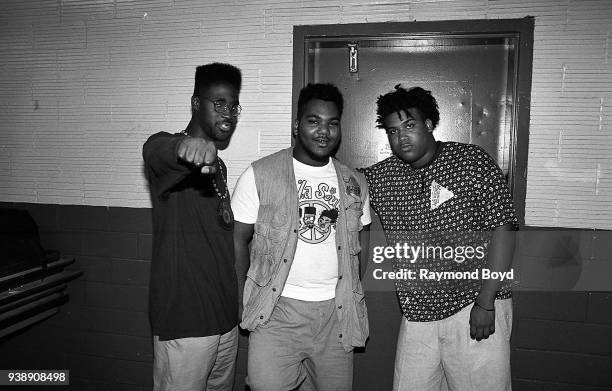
{"x":403,"y":99}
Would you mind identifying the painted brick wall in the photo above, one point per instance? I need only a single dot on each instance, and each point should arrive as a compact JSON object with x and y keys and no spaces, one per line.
{"x":83,"y":83}
{"x":102,"y":334}
{"x":562,"y":338}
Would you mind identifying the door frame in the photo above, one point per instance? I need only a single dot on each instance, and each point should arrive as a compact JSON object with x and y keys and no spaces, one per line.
{"x":522,"y":27}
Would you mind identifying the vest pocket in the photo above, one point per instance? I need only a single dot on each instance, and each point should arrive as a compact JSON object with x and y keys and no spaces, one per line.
{"x":354,"y":245}
{"x":353,"y":224}
{"x":360,"y":305}
{"x":360,"y":321}
{"x":261,"y":268}
{"x":261,"y":273}
{"x":353,"y":207}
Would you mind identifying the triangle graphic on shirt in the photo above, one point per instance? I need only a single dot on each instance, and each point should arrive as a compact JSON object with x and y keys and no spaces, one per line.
{"x":439,"y":195}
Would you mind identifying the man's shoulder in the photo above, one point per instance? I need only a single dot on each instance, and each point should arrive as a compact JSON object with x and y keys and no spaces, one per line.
{"x":268,"y":168}
{"x":379,"y":168}
{"x":470,"y":159}
{"x":156,"y":143}
{"x":342,"y":166}
{"x":462,"y":154}
{"x":348,"y":171}
{"x":159,"y":135}
{"x":273,"y":157}
{"x":464,"y":148}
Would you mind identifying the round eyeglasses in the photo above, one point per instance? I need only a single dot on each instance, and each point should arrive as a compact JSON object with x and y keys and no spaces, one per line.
{"x":222,"y":107}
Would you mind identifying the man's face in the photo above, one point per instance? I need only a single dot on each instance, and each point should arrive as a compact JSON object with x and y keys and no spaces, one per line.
{"x":309,"y":220}
{"x":317,"y":132}
{"x":324,"y":221}
{"x":218,"y":127}
{"x":410,"y":137}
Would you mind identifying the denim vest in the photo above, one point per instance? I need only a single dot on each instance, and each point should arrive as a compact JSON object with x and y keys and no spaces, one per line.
{"x":275,"y":240}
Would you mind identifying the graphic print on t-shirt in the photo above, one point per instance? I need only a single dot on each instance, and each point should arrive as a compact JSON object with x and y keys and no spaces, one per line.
{"x":318,"y":211}
{"x":439,"y":195}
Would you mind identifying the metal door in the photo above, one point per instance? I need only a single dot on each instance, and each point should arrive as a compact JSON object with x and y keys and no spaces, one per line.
{"x":482,"y":86}
{"x":472,"y":77}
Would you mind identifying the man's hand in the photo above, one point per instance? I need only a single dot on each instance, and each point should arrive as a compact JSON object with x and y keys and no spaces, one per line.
{"x":482,"y":322}
{"x":501,"y":251}
{"x":199,"y":152}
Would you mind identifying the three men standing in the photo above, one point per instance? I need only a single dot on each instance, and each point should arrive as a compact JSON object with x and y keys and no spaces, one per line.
{"x":302,"y":212}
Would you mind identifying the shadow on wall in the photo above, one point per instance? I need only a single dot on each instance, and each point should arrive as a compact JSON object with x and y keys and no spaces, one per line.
{"x":563,"y":260}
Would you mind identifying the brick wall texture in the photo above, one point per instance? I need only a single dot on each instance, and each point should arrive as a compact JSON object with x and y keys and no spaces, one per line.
{"x":85,"y":82}
{"x":561,"y":340}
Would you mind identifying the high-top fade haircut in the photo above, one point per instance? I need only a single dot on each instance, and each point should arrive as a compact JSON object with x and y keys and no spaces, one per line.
{"x":322,"y":91}
{"x":216,"y":72}
{"x":403,"y":99}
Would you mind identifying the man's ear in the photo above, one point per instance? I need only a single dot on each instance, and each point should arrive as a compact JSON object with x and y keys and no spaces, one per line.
{"x":195,"y":103}
{"x":429,"y":124}
{"x":296,"y":125}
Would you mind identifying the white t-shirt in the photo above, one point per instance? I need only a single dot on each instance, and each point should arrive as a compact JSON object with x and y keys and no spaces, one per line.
{"x":314,"y":271}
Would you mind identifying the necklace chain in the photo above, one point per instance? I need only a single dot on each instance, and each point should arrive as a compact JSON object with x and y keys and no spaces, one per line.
{"x":216,"y":187}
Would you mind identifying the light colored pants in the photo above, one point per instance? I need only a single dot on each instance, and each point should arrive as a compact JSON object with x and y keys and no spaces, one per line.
{"x":195,"y":364}
{"x":429,"y":351}
{"x":299,"y":348}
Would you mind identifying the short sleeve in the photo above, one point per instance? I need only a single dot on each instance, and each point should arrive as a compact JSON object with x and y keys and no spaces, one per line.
{"x":245,"y":200}
{"x":368,"y":173}
{"x":497,"y":208}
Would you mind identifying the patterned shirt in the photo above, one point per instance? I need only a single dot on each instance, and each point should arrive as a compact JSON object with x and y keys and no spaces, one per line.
{"x":447,"y":206}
